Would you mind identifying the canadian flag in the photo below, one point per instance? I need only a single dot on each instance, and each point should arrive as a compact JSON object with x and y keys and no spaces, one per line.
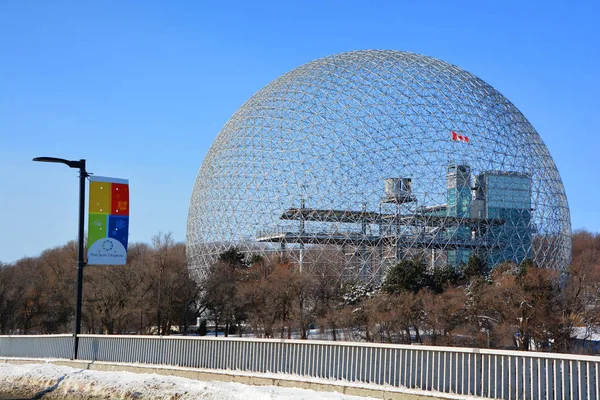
{"x":459,"y":138}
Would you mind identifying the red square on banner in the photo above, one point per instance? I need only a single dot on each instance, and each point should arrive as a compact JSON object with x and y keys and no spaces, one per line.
{"x":120,"y":199}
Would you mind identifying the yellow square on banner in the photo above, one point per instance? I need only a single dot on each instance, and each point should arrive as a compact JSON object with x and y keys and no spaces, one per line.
{"x":100,"y":197}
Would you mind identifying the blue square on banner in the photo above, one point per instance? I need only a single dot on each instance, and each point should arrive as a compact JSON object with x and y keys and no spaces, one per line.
{"x":118,"y":228}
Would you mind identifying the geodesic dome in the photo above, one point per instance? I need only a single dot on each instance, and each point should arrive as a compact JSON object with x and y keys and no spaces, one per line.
{"x":368,"y":157}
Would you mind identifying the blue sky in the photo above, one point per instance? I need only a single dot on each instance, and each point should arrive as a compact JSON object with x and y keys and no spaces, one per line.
{"x":141,"y":88}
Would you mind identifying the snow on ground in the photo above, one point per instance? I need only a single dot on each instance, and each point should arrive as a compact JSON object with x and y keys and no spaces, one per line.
{"x":584,"y":333}
{"x":127,"y":385}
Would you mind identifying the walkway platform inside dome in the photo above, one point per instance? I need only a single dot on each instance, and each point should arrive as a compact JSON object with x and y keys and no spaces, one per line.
{"x":357,"y":239}
{"x":369,"y":217}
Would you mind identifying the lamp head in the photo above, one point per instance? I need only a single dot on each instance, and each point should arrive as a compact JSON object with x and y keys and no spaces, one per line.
{"x":70,"y":163}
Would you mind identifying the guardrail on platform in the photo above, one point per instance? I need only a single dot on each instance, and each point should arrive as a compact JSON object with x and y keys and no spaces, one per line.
{"x":463,"y":371}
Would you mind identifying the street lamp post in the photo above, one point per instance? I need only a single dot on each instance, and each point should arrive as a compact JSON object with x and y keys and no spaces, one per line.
{"x":80,"y":263}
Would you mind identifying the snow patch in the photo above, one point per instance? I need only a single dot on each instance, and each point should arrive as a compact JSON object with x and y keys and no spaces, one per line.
{"x":128,"y":385}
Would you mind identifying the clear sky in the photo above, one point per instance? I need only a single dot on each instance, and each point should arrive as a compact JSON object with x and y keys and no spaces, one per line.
{"x":141,"y":88}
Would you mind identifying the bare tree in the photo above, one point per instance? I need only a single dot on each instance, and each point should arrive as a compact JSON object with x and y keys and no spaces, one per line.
{"x":169,"y":277}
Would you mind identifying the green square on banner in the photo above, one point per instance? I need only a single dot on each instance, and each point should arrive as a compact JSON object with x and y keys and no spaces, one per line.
{"x":97,"y":227}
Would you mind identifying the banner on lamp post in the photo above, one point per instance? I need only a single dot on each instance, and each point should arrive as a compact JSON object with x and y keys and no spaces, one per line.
{"x":108,"y":221}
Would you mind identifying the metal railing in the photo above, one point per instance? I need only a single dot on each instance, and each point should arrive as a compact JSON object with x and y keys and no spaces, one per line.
{"x":37,"y":346}
{"x":462,"y":371}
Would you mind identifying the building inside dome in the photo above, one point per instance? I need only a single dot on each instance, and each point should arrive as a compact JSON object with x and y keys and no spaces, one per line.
{"x":367,"y":158}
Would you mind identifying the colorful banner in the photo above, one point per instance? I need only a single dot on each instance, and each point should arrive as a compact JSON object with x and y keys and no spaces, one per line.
{"x":108,"y":221}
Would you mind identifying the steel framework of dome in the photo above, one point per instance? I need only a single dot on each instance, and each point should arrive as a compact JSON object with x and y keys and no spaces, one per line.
{"x":368,"y":157}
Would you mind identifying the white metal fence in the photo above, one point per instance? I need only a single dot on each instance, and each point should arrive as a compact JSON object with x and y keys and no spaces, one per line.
{"x":463,"y":371}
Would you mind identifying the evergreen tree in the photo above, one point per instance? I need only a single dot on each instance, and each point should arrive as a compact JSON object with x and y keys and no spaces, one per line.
{"x":441,"y":277}
{"x":475,"y":267}
{"x":407,"y":275}
{"x":233,"y":258}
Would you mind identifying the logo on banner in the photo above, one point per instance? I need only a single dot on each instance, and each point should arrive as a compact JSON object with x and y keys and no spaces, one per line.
{"x":108,"y":221}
